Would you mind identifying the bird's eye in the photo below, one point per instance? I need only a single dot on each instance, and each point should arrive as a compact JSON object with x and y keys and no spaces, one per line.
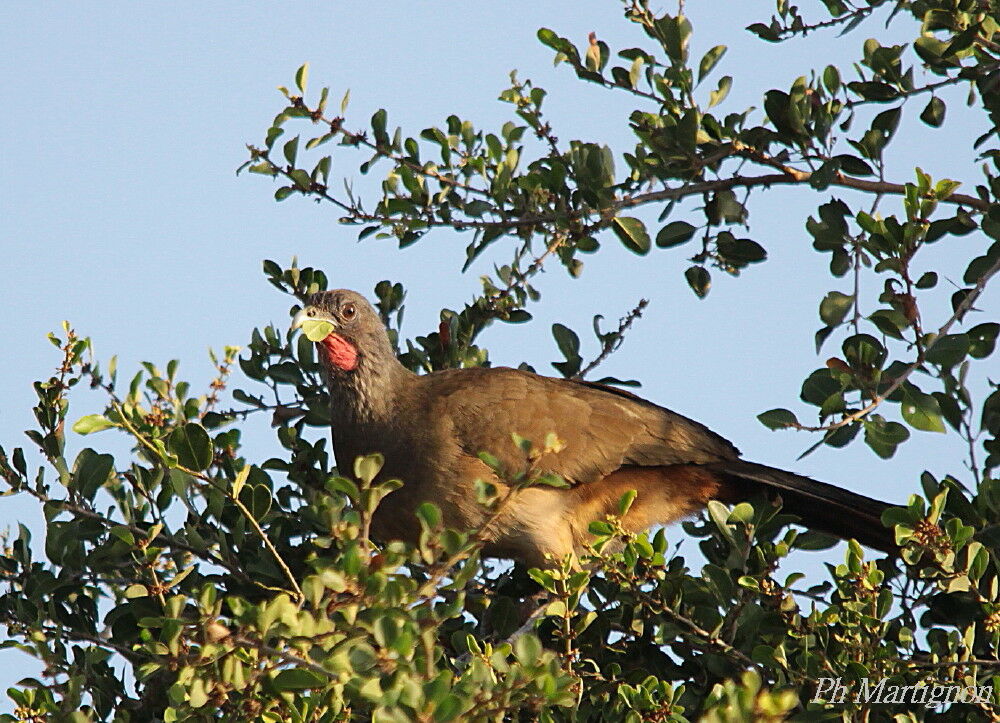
{"x":348,"y":311}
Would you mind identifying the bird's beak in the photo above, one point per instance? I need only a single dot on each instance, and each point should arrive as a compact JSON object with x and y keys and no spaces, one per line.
{"x":310,"y":312}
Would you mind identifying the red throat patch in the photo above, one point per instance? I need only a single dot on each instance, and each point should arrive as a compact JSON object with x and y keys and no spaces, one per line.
{"x":339,"y":352}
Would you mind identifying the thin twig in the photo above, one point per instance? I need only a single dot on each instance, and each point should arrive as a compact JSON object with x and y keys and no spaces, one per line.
{"x":614,"y":340}
{"x":858,"y":14}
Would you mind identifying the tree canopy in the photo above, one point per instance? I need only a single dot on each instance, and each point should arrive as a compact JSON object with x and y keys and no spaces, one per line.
{"x":230,"y":585}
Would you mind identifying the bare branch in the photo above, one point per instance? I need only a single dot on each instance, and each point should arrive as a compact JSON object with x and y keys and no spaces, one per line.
{"x":614,"y":340}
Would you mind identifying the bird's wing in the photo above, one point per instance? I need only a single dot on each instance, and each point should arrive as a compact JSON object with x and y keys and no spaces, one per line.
{"x":602,"y":428}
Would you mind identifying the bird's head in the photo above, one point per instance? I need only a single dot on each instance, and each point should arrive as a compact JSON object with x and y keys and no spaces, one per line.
{"x":347,"y":330}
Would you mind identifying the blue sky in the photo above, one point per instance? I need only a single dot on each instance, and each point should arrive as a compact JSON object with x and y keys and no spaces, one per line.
{"x":120,"y":210}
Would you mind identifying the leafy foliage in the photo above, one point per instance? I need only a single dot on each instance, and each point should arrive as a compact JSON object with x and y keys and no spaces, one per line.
{"x":231,"y":586}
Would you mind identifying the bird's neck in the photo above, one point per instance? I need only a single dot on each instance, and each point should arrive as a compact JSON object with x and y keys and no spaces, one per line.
{"x":368,"y":394}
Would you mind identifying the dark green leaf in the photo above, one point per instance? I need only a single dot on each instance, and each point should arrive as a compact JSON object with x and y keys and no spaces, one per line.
{"x":883,"y":437}
{"x":777,"y":419}
{"x":982,"y":339}
{"x":854,"y":166}
{"x":948,"y":350}
{"x":933,"y":114}
{"x":675,"y":233}
{"x":568,"y":341}
{"x":192,"y":445}
{"x":864,"y":351}
{"x":874,"y":91}
{"x":90,"y":471}
{"x":699,"y":280}
{"x":818,"y":387}
{"x":739,"y":251}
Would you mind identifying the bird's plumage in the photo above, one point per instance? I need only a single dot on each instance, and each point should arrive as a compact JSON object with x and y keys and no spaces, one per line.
{"x":431,"y":428}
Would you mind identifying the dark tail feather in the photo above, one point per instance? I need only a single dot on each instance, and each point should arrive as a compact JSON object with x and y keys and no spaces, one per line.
{"x":821,"y":506}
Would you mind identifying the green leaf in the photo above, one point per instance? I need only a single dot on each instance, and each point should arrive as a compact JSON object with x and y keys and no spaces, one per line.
{"x":874,"y":91}
{"x":709,"y":61}
{"x":948,"y":350}
{"x":123,"y":533}
{"x":743,"y":512}
{"x":883,"y":437}
{"x":719,"y":514}
{"x":831,"y":79}
{"x":853,"y":166}
{"x":291,"y":150}
{"x":864,"y":350}
{"x":921,"y":411}
{"x":983,"y":339}
{"x":302,"y":77}
{"x":933,"y":114}
{"x":136,"y":590}
{"x":265,"y":167}
{"x":777,"y":419}
{"x":429,"y":514}
{"x":92,"y":423}
{"x":699,"y":280}
{"x":739,"y":251}
{"x":724,"y":206}
{"x":379,"y":120}
{"x":317,"y":330}
{"x":368,"y":466}
{"x":192,"y":445}
{"x":675,"y":233}
{"x":834,"y":307}
{"x":818,"y":387}
{"x":448,"y":709}
{"x":527,"y":649}
{"x":719,"y":94}
{"x":257,"y":499}
{"x":889,"y":322}
{"x":299,"y":679}
{"x":625,"y":502}
{"x":91,"y":470}
{"x":567,"y":340}
{"x":632,"y":233}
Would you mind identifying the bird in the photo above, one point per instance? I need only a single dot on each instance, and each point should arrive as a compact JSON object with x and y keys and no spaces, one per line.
{"x":432,"y":429}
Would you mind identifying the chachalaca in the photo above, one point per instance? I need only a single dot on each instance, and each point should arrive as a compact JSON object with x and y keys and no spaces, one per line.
{"x":431,"y":428}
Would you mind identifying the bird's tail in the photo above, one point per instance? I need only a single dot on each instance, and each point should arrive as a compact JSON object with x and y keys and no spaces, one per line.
{"x":821,"y":506}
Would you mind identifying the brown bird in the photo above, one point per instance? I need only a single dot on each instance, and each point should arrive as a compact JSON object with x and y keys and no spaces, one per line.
{"x":431,"y":428}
